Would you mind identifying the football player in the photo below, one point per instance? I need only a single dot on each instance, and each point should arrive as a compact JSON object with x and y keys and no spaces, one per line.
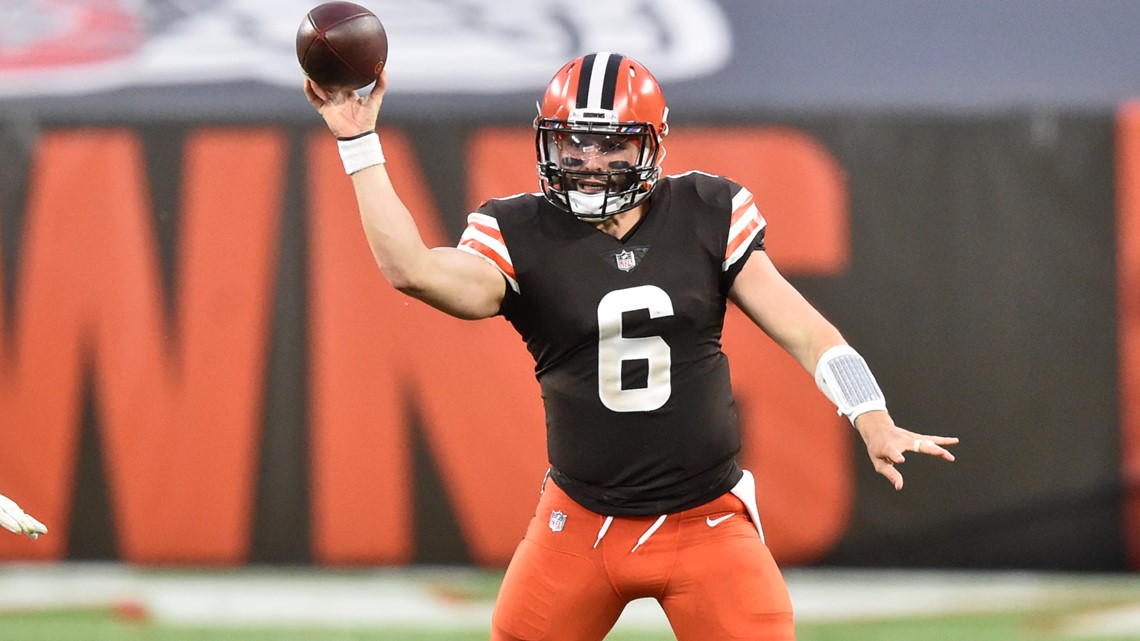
{"x":617,"y":279}
{"x":14,"y":519}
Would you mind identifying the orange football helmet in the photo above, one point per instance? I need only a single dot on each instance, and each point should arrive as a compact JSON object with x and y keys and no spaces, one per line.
{"x":599,"y":132}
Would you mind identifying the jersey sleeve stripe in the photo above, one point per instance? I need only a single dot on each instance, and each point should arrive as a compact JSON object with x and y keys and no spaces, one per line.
{"x":486,"y":224}
{"x":480,"y":250}
{"x":746,"y":224}
{"x":484,"y":239}
{"x":740,"y":204}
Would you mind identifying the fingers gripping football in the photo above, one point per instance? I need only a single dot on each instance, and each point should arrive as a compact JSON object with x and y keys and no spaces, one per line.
{"x":345,"y":112}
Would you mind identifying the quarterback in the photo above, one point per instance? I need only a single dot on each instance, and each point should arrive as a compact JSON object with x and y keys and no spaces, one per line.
{"x":617,"y":278}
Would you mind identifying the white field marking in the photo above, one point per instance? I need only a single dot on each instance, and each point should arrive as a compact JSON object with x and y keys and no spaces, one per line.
{"x":1117,"y":622}
{"x":420,"y":597}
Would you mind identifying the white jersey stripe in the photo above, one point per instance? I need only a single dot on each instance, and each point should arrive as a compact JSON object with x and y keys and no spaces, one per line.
{"x":483,"y":238}
{"x":746,"y":218}
{"x":740,"y":198}
{"x":746,"y":224}
{"x":484,"y":219}
{"x":757,"y":225}
{"x":488,"y":241}
{"x":510,"y":279}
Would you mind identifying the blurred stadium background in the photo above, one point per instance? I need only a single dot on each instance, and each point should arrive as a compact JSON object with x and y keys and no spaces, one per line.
{"x":232,"y":427}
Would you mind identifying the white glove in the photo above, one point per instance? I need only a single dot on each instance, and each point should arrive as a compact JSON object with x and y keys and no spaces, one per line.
{"x":16,"y":520}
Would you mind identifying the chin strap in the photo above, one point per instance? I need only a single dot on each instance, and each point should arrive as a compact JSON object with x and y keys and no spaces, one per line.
{"x":595,"y":207}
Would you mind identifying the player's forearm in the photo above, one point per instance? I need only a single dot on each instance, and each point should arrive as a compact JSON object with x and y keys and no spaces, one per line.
{"x":817,"y":337}
{"x":797,"y":326}
{"x":807,"y":343}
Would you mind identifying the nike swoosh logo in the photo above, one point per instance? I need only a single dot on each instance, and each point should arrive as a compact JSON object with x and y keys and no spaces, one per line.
{"x":711,"y":522}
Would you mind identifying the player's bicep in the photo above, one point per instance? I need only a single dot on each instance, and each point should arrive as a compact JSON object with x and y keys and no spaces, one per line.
{"x":463,"y":285}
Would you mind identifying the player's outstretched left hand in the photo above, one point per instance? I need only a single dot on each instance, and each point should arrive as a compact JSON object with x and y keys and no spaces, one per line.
{"x":16,"y":520}
{"x":887,"y":444}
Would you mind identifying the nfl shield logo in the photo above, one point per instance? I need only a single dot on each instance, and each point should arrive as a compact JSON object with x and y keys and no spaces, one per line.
{"x":557,"y":521}
{"x":626,"y":261}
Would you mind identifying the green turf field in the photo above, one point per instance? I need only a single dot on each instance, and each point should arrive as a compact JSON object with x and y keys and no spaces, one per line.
{"x":74,"y":602}
{"x":105,"y":625}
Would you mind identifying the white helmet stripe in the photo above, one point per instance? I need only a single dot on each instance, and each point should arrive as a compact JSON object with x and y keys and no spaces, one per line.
{"x":597,"y":81}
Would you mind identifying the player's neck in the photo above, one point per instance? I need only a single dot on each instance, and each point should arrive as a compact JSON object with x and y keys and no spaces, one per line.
{"x":619,"y":225}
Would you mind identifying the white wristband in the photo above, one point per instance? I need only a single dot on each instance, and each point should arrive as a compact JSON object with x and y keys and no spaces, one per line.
{"x":843,"y":376}
{"x":360,"y":152}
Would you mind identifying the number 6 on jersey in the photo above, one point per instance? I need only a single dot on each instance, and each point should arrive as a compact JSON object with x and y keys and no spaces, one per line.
{"x":614,"y":349}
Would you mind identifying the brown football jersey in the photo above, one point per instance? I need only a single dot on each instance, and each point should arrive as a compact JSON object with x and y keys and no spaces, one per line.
{"x":625,"y":334}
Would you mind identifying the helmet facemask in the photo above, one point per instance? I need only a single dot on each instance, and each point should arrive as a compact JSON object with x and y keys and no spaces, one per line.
{"x":599,"y":129}
{"x":594,"y":169}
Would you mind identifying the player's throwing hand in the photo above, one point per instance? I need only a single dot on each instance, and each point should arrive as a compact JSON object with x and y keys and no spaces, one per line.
{"x":346,"y":112}
{"x":16,"y":520}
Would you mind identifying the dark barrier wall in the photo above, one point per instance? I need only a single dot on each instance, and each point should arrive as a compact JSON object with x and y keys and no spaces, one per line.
{"x":202,"y":365}
{"x":983,"y":282}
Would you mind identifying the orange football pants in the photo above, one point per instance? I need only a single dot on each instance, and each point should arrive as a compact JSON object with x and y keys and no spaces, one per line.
{"x":707,"y":567}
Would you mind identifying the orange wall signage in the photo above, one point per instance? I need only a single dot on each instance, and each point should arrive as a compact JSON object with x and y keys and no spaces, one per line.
{"x":179,"y":399}
{"x":1128,"y":319}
